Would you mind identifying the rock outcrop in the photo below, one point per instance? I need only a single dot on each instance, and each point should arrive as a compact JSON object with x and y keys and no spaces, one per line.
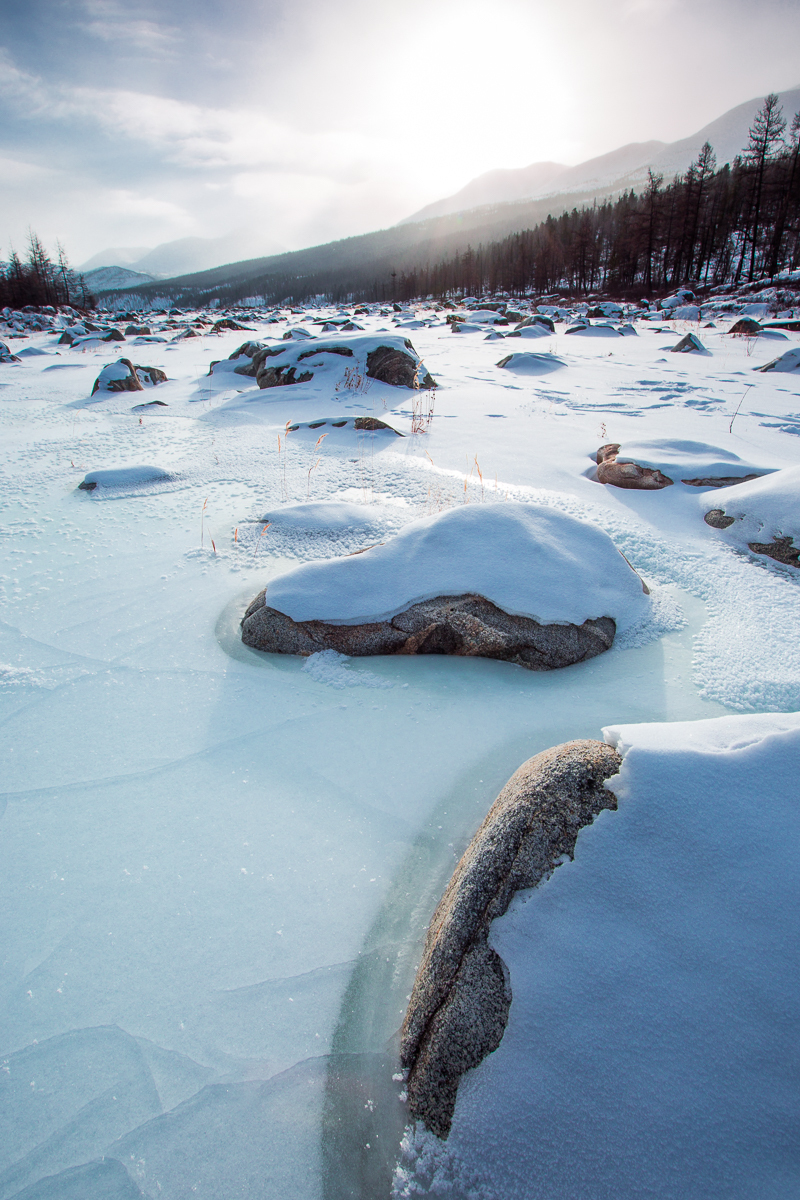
{"x":468,"y":626}
{"x":459,"y":1005}
{"x":627,"y":474}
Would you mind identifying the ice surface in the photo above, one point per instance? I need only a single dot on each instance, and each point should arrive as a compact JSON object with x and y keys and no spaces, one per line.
{"x":217,"y":866}
{"x":530,"y":561}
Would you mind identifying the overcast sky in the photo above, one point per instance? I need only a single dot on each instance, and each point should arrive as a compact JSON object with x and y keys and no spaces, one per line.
{"x":126,"y":122}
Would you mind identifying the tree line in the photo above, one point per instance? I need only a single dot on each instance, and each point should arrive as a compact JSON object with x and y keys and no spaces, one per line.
{"x":38,"y":280}
{"x":707,"y":227}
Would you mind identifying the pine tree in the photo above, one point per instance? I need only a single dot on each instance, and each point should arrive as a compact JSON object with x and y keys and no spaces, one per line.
{"x":765,"y":134}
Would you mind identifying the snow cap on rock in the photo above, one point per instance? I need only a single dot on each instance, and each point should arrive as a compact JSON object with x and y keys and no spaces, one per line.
{"x":527,"y":559}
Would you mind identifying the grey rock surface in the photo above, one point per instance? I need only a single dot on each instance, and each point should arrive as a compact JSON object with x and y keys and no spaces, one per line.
{"x":461,"y":625}
{"x":716,"y":518}
{"x":459,"y":1006}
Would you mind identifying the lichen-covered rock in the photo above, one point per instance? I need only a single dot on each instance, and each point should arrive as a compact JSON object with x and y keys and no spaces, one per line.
{"x":459,"y":1005}
{"x":466,"y":626}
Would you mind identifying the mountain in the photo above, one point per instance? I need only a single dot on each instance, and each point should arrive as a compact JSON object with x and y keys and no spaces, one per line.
{"x":609,"y":173}
{"x":371,"y":262}
{"x":180,"y":257}
{"x":104,"y":279}
{"x":115,"y":256}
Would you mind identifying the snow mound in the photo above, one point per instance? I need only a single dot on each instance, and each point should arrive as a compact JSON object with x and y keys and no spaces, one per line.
{"x":682,"y":459}
{"x":593,"y":331}
{"x":529,"y":560}
{"x":528,"y":363}
{"x":123,"y":477}
{"x":790,"y":361}
{"x":535,"y":331}
{"x":762,"y":509}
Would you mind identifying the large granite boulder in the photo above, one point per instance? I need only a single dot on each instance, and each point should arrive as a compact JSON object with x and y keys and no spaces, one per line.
{"x":466,"y":626}
{"x":125,"y":376}
{"x":519,"y":582}
{"x":459,"y":1005}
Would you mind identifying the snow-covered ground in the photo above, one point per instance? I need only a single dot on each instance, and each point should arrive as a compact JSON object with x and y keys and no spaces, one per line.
{"x":217,"y":866}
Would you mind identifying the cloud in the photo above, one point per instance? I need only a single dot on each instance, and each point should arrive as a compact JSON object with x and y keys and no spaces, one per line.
{"x":111,"y":22}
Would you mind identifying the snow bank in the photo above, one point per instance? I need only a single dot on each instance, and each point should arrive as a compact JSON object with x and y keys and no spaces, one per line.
{"x":651,"y":1046}
{"x":528,"y":560}
{"x":763,"y":508}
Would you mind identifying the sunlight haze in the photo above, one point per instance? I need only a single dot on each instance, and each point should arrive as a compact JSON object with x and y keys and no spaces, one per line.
{"x":286,"y":125}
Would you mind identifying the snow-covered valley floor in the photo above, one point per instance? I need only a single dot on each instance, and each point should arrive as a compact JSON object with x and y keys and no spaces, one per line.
{"x":217,"y":866}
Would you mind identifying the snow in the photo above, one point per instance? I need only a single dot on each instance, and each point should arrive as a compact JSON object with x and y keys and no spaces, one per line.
{"x":115,"y":477}
{"x":763,"y":509}
{"x":790,"y":361}
{"x":529,"y":561}
{"x":526,"y":363}
{"x":654,"y":984}
{"x":217,"y":866}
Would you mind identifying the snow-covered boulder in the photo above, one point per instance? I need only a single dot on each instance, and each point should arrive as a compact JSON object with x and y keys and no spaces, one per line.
{"x":790,"y":361}
{"x":540,"y":319}
{"x":532,"y":331}
{"x":689,"y":344}
{"x":125,"y":376}
{"x":118,"y":477}
{"x":606,"y":308}
{"x":385,"y":358}
{"x":598,"y":331}
{"x":459,"y":1005}
{"x":762,"y":515}
{"x":745,"y":327}
{"x":5,"y":354}
{"x":517,"y":582}
{"x":528,"y":363}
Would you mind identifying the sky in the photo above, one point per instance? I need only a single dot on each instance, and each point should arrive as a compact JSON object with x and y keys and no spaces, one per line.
{"x":293,"y":122}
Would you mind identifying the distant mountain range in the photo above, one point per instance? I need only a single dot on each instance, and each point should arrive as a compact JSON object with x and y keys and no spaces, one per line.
{"x":488,"y":209}
{"x":179,"y":257}
{"x":610,"y":173}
